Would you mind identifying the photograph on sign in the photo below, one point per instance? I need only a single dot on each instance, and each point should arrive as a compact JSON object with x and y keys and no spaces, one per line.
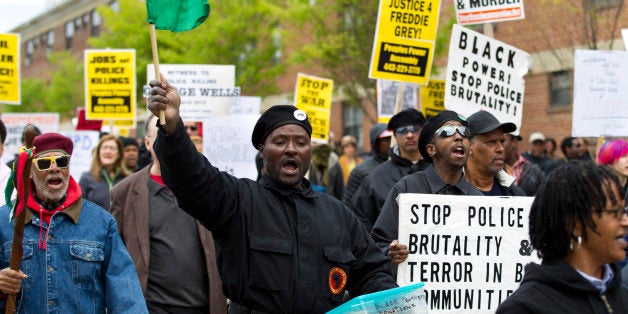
{"x":485,"y":74}
{"x":468,"y":250}
{"x":10,"y":71}
{"x":387,"y":99}
{"x":600,"y":102}
{"x":206,"y":90}
{"x":477,"y":12}
{"x":314,"y":96}
{"x":405,"y":36}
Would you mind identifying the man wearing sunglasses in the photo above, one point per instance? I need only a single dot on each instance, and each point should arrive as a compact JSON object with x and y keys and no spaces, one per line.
{"x":73,"y":258}
{"x":485,"y":166}
{"x":444,"y":142}
{"x":405,"y":159}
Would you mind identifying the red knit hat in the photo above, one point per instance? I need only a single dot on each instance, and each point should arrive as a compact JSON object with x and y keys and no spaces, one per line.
{"x":49,"y":142}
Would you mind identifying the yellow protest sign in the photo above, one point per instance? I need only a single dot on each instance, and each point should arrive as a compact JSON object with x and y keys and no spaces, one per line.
{"x":110,"y":84}
{"x":433,"y":98}
{"x":403,"y":49}
{"x":313,"y":95}
{"x":10,"y":92}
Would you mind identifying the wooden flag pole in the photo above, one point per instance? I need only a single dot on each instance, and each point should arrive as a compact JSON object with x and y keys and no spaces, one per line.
{"x":18,"y":220}
{"x":153,"y":43}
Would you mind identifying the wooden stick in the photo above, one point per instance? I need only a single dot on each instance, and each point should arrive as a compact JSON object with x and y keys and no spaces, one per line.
{"x":18,"y":221}
{"x":153,"y":44}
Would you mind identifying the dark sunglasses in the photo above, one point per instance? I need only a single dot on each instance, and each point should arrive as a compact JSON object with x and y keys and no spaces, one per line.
{"x":618,"y":212}
{"x":193,"y":128}
{"x":44,"y":163}
{"x":403,"y":130}
{"x":450,"y":130}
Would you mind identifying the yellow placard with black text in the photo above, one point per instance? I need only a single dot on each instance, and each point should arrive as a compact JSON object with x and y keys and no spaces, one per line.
{"x":110,"y":84}
{"x":403,"y":48}
{"x":313,"y":95}
{"x":10,"y":91}
{"x":433,"y":98}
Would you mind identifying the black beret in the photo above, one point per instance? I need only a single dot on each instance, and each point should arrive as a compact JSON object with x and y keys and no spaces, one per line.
{"x":431,"y":125}
{"x":483,"y":122}
{"x":275,"y":117}
{"x":126,"y":141}
{"x":409,"y":116}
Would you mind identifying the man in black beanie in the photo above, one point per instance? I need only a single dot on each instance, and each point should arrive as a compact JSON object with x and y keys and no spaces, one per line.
{"x":131,"y":152}
{"x":282,"y":247}
{"x":404,"y":159}
{"x":444,"y":142}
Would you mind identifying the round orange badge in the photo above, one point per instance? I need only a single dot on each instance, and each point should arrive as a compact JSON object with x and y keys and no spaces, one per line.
{"x":337,"y":280}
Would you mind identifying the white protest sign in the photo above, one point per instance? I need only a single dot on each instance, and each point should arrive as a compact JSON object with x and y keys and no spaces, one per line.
{"x":387,"y":99}
{"x":15,"y":123}
{"x":600,"y":102}
{"x":470,"y":251}
{"x":206,"y":90}
{"x":485,"y":74}
{"x":84,"y":143}
{"x":475,"y":11}
{"x":624,"y":36}
{"x":244,"y":105}
{"x":227,"y":144}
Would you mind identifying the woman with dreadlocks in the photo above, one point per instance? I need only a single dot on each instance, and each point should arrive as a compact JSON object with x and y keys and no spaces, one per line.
{"x":577,"y":225}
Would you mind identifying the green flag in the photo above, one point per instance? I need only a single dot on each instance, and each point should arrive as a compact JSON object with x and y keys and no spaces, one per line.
{"x":177,"y":15}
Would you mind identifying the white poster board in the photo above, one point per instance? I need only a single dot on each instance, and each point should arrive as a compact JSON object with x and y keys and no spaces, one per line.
{"x":84,"y":143}
{"x":470,"y":251}
{"x":624,"y":36}
{"x":245,"y":105}
{"x":485,"y":74}
{"x":206,"y":90}
{"x":600,"y":102}
{"x":15,"y":123}
{"x":227,"y":144}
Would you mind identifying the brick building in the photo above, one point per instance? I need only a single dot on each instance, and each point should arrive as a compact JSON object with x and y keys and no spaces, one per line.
{"x":551,"y":31}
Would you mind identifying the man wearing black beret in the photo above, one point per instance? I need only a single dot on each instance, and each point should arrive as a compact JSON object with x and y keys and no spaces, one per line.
{"x":444,"y":142}
{"x":282,"y":247}
{"x":404,"y":159}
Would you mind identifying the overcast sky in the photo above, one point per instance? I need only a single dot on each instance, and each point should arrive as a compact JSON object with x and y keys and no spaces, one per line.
{"x":15,"y":12}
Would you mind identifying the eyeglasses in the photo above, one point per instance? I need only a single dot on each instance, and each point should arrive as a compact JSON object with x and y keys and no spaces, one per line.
{"x":403,"y":130}
{"x":618,"y":212}
{"x":191,"y":127}
{"x":44,"y":163}
{"x":450,"y":130}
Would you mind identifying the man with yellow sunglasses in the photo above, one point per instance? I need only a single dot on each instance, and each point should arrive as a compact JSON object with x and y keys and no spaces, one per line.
{"x":69,"y":242}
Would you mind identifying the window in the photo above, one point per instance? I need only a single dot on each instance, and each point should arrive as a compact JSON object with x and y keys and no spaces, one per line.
{"x":95,"y":23}
{"x":277,"y":44}
{"x":50,"y":42}
{"x":352,"y":122}
{"x":601,"y":4}
{"x":115,"y":6}
{"x":560,"y":86}
{"x":30,"y":47}
{"x":69,"y":33}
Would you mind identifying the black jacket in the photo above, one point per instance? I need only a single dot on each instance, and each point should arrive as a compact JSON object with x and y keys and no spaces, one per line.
{"x":370,"y":197}
{"x":280,"y":250}
{"x":555,"y":287}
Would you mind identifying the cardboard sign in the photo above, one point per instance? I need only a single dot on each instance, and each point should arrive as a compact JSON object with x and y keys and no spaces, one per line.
{"x":433,"y":98}
{"x":313,"y":95}
{"x":485,"y":74}
{"x":110,"y":84}
{"x":403,"y":48}
{"x":387,"y":99}
{"x":469,"y":251}
{"x":600,"y":104}
{"x":206,"y":90}
{"x":15,"y":123}
{"x":10,"y":82}
{"x":483,"y":11}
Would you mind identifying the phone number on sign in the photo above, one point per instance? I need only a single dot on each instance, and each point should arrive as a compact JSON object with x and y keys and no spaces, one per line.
{"x":402,"y":68}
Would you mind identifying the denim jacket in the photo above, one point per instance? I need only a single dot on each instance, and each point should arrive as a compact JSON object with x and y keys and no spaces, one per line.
{"x":85,"y":267}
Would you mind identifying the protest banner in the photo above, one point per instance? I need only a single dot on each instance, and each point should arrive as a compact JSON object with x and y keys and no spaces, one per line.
{"x":15,"y":123}
{"x":488,"y":11}
{"x":387,"y":92}
{"x":227,"y":143}
{"x":206,"y":90}
{"x":10,"y":78}
{"x":485,"y":74}
{"x":313,"y":95}
{"x":110,"y":84}
{"x":405,"y":36}
{"x":84,"y":144}
{"x":432,"y":98}
{"x":244,"y":105}
{"x":600,"y":103}
{"x":469,"y":251}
